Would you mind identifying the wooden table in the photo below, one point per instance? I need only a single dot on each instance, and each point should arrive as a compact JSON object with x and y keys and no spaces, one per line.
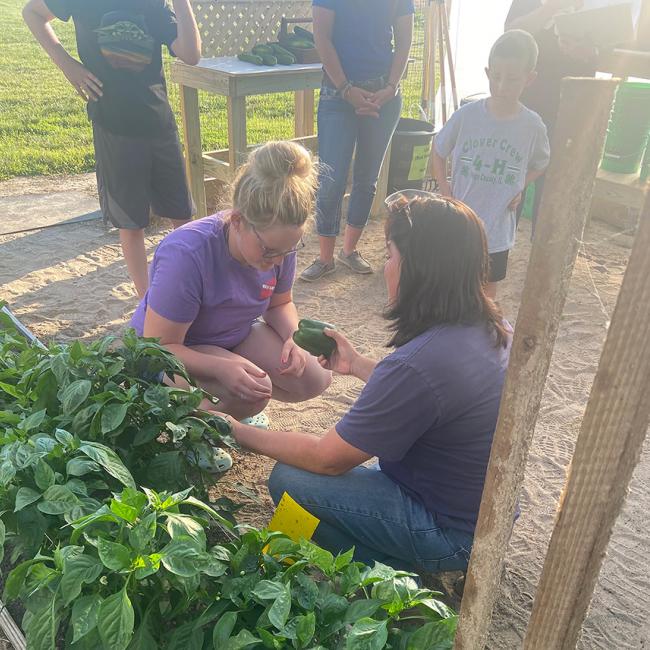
{"x":236,"y":80}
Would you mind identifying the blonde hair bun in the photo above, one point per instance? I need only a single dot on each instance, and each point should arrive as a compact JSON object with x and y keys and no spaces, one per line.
{"x":277,"y":185}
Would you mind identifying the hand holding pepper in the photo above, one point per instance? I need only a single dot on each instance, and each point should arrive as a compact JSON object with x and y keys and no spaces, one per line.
{"x":342,"y":358}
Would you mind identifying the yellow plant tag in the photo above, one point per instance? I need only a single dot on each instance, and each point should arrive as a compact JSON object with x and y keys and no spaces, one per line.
{"x":293,"y":520}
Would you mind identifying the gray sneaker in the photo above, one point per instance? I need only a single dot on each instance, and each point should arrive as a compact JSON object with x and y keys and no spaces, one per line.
{"x":317,"y":269}
{"x":355,"y":262}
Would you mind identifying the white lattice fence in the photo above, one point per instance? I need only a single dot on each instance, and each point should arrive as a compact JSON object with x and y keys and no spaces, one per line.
{"x":228,"y":28}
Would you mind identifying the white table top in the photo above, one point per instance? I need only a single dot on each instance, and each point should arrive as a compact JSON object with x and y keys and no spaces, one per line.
{"x":232,"y":66}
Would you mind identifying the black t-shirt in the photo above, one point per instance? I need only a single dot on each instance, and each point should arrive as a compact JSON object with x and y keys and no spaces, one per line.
{"x":120,"y":41}
{"x":543,"y":96}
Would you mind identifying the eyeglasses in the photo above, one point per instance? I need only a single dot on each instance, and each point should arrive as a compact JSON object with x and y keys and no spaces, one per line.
{"x":269,"y":253}
{"x":401,"y":200}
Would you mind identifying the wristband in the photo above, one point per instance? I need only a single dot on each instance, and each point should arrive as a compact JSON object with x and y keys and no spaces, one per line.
{"x":343,"y":90}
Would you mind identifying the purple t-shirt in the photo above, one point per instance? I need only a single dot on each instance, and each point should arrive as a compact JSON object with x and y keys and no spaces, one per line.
{"x":429,"y":411}
{"x":194,"y":279}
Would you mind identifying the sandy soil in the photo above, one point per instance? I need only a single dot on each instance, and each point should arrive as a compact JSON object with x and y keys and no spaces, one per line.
{"x":71,"y":282}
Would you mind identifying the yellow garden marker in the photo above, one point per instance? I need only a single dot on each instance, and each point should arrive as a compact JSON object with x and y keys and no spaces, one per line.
{"x":293,"y":520}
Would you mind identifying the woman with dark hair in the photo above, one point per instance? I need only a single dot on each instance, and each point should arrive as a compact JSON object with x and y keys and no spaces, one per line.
{"x":428,"y":410}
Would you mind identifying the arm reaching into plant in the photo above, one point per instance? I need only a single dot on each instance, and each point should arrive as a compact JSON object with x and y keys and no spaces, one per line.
{"x":328,"y":454}
{"x":38,"y":17}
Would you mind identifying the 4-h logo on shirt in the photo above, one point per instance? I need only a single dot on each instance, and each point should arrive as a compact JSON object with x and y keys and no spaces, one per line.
{"x":124,"y":41}
{"x":268,"y":287}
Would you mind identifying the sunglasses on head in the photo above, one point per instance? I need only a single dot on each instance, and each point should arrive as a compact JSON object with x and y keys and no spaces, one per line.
{"x":401,"y":200}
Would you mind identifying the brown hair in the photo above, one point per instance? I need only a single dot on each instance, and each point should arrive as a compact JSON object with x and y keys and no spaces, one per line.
{"x":276,"y":186}
{"x":443,"y":272}
{"x":516,"y":44}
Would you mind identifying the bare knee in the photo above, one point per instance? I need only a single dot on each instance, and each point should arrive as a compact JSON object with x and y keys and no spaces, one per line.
{"x":314,"y":382}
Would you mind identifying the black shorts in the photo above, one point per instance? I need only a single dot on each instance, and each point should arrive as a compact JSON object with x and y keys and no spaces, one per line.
{"x":137,"y":176}
{"x":498,"y":266}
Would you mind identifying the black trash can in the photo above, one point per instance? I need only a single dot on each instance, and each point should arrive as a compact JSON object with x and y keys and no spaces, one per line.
{"x":410,"y":153}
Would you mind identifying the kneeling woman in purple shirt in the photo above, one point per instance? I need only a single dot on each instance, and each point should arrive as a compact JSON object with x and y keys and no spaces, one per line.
{"x":428,"y":410}
{"x":213,"y":279}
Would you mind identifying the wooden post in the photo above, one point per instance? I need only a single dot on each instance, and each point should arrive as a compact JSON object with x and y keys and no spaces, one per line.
{"x":577,"y":147}
{"x":193,"y":148}
{"x":608,"y":448}
{"x":237,"y":150}
{"x":304,"y":113}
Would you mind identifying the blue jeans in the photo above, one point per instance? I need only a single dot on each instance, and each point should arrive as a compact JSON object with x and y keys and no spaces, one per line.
{"x":339,"y":130}
{"x":366,"y":509}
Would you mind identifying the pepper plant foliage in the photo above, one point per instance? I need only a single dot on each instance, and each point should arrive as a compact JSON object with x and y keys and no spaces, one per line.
{"x":108,"y":553}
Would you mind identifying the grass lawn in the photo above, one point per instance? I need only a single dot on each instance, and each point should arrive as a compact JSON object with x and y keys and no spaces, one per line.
{"x":43,"y":124}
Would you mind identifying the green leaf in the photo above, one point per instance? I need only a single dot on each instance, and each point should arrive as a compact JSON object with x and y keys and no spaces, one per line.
{"x":33,"y":421}
{"x":367,"y":634}
{"x":157,"y":395}
{"x":3,"y":535}
{"x":435,"y":609}
{"x":74,"y":395}
{"x":78,"y":570}
{"x":146,"y":565}
{"x":80,"y":467}
{"x":179,"y":525}
{"x":11,"y":390}
{"x":279,"y":611}
{"x":112,"y":416}
{"x":133,"y":498}
{"x":186,"y":637}
{"x":268,"y":590}
{"x":143,"y":532}
{"x":115,"y":621}
{"x":7,"y":473}
{"x":16,"y":579}
{"x":24,"y":497}
{"x":84,"y":615}
{"x":183,"y":558}
{"x":78,"y":487}
{"x":115,"y":557}
{"x":42,"y":625}
{"x":223,"y":629}
{"x":305,"y":591}
{"x":124,"y":511}
{"x":146,"y":434}
{"x":243,"y":640}
{"x":318,"y":556}
{"x":305,"y":628}
{"x":378,"y":573}
{"x":437,"y":635}
{"x":43,"y":475}
{"x":361,"y":609}
{"x":166,"y":469}
{"x":109,"y":460}
{"x":65,"y":438}
{"x":57,"y":500}
{"x":143,"y":639}
{"x":342,"y":560}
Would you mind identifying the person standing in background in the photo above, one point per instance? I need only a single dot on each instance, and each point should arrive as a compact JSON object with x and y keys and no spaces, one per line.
{"x":359,"y":107}
{"x":557,"y":59}
{"x":138,"y":154}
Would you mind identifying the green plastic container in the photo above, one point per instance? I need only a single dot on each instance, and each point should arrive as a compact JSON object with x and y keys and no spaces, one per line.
{"x":628,"y":129}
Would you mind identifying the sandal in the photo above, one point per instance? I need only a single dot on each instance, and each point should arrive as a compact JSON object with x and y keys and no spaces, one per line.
{"x":261,"y":421}
{"x":209,"y":459}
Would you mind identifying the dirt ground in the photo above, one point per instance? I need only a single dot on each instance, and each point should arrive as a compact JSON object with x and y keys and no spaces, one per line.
{"x":70,"y":282}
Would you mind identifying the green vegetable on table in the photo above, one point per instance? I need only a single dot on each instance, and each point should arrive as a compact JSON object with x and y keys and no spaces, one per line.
{"x":251,"y":58}
{"x":304,"y":33}
{"x":309,"y":336}
{"x":263,"y":50}
{"x":269,"y":59}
